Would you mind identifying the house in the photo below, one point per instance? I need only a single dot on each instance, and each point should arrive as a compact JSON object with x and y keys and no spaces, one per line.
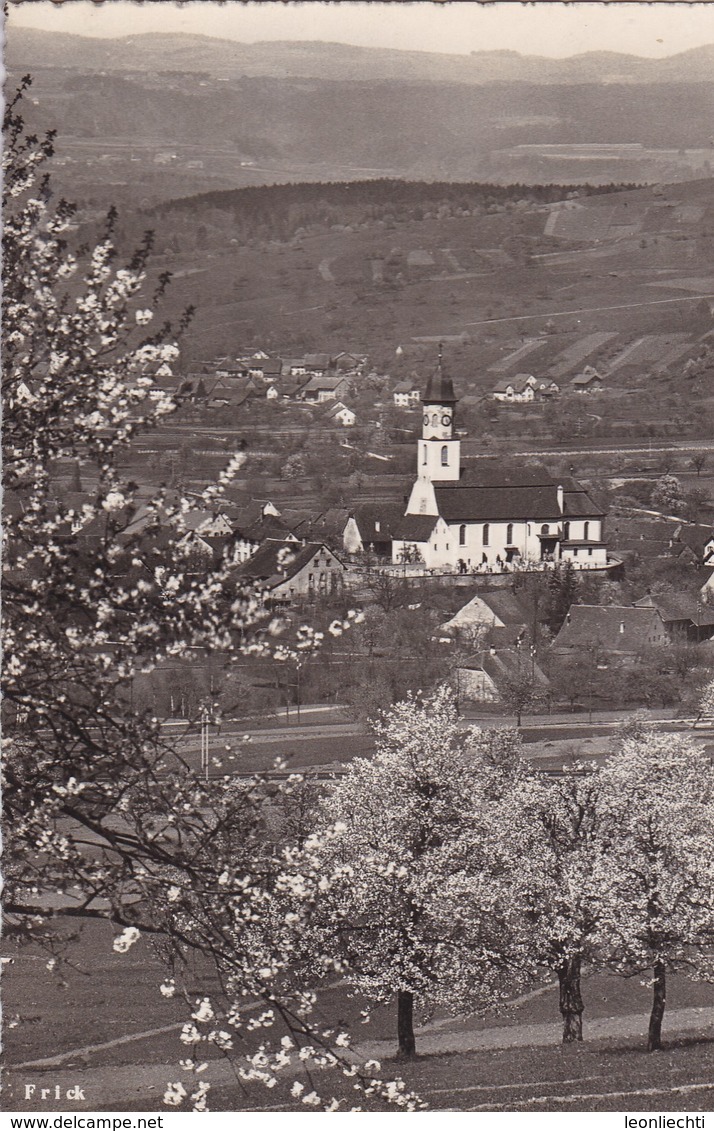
{"x":272,"y":369}
{"x":321,"y":389}
{"x":327,"y":526}
{"x":272,"y":393}
{"x":342,"y":415}
{"x":706,"y":590}
{"x":317,"y":364}
{"x":589,"y":381}
{"x":421,"y":538}
{"x":483,"y":678}
{"x":349,"y":362}
{"x":293,"y":367}
{"x":407,"y":393}
{"x":232,"y":391}
{"x":685,"y":618}
{"x":369,"y":529}
{"x":693,"y":543}
{"x":546,"y":388}
{"x":616,"y":633}
{"x":519,"y":389}
{"x":287,"y":569}
{"x":253,"y":530}
{"x":487,"y":610}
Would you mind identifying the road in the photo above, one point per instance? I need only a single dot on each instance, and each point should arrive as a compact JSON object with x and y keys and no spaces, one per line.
{"x":325,"y":748}
{"x":590,"y":309}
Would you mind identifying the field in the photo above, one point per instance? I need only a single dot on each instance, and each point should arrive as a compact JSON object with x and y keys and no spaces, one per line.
{"x":102,"y":1025}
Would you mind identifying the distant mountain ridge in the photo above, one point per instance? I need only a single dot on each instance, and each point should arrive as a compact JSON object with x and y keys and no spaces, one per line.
{"x":28,"y":48}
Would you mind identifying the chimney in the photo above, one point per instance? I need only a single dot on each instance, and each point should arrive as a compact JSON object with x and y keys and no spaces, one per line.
{"x":622,"y":626}
{"x":559,"y":491}
{"x":492,"y":651}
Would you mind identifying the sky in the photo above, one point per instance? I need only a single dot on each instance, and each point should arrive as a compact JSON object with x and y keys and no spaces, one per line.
{"x":549,"y":29}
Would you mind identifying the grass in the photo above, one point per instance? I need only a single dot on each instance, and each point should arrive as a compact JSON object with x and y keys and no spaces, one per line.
{"x":102,"y":997}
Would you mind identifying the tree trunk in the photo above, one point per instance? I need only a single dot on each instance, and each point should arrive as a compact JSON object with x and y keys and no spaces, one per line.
{"x":571,"y":1002}
{"x":659,"y":998}
{"x":405,"y":1024}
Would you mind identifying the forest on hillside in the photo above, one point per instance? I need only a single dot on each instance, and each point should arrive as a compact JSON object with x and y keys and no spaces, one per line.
{"x":281,"y":212}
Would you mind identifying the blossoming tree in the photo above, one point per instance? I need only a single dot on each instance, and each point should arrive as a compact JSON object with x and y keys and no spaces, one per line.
{"x":550,"y":855}
{"x":410,"y":906}
{"x":656,"y":873}
{"x":100,"y":808}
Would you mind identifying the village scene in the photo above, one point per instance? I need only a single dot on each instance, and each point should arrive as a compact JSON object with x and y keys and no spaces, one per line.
{"x":358,"y":569}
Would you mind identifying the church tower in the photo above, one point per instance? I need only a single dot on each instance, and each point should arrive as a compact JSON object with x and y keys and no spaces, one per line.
{"x":438,"y":452}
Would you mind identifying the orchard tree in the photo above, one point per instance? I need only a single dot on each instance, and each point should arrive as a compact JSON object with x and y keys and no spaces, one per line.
{"x":420,"y":915}
{"x":667,"y":493}
{"x":656,"y":875}
{"x":551,"y":846}
{"x":100,"y":808}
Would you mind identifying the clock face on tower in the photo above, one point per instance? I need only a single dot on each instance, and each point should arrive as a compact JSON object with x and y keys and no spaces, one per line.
{"x":426,"y":419}
{"x":446,"y":419}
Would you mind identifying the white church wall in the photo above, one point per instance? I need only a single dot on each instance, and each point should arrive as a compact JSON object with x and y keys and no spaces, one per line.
{"x":475,"y":552}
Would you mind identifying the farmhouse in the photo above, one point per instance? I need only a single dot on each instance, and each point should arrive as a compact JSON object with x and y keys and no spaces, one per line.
{"x":693,"y":543}
{"x":321,"y":389}
{"x":613,"y":632}
{"x":407,"y":394}
{"x":342,"y":415}
{"x":488,"y":674}
{"x":497,"y":609}
{"x":289,"y":569}
{"x":519,"y":389}
{"x":589,"y":381}
{"x":493,"y":517}
{"x":685,"y":618}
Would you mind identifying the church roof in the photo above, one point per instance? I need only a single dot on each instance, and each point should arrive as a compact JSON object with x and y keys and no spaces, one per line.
{"x":497,"y":504}
{"x":488,"y":491}
{"x":439,"y":387}
{"x":576,"y":501}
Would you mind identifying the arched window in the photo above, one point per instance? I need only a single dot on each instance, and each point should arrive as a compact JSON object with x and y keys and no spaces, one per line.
{"x":509,"y":534}
{"x":484,"y":538}
{"x":445,"y":456}
{"x":426,"y":455}
{"x":434,"y":419}
{"x":566,"y":531}
{"x":462,"y":534}
{"x":545,"y":529}
{"x":586,"y":530}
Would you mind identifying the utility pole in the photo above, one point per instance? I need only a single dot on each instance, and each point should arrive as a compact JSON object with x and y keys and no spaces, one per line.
{"x":205,"y":719}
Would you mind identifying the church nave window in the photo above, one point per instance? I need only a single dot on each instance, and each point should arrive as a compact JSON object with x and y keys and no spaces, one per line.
{"x":586,"y":530}
{"x":445,"y":456}
{"x":462,"y":534}
{"x":485,"y":535}
{"x":509,"y":533}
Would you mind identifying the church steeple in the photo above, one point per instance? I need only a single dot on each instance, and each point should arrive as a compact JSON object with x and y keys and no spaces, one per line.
{"x":440,"y":387}
{"x":439,"y":453}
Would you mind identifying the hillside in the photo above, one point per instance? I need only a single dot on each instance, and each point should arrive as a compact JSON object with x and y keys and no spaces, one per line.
{"x":489,"y":279}
{"x":146,"y":118}
{"x":228,"y":59}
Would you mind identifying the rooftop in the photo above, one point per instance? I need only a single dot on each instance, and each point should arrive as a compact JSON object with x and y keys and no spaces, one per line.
{"x":614,"y":628}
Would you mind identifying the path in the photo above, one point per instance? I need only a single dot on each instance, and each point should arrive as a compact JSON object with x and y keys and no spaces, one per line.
{"x":529,"y":1036}
{"x":589,"y":310}
{"x":118,"y":1086}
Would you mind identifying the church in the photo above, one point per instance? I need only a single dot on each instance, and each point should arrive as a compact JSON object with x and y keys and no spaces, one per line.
{"x":487,"y":517}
